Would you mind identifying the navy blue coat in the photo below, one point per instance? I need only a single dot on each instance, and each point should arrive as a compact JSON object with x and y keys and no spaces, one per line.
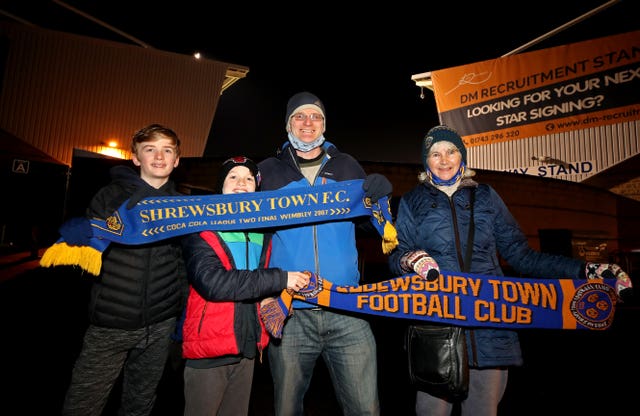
{"x":429,"y":220}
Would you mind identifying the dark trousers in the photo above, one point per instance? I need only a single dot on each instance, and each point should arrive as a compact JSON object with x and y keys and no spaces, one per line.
{"x":140,"y":353}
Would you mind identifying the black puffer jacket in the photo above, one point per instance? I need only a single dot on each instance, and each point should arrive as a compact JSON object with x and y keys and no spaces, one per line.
{"x":139,"y":285}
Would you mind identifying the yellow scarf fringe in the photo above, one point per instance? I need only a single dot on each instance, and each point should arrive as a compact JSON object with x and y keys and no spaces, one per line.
{"x":389,"y":238}
{"x":62,"y":254}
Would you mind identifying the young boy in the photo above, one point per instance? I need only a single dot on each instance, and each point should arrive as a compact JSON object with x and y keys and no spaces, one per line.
{"x":222,"y":333}
{"x":139,"y":293}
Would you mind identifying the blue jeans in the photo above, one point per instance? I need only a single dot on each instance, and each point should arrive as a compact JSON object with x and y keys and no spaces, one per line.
{"x":348,"y":349}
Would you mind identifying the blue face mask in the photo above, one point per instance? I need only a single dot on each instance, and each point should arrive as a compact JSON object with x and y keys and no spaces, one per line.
{"x":439,"y":182}
{"x":305,"y":147}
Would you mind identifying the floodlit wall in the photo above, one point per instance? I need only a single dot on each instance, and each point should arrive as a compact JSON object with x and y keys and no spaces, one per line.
{"x":62,"y":91}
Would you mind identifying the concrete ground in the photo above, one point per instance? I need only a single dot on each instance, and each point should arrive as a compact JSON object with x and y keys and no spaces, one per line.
{"x":42,"y":314}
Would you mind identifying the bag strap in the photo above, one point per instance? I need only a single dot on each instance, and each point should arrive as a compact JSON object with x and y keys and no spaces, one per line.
{"x":467,"y":257}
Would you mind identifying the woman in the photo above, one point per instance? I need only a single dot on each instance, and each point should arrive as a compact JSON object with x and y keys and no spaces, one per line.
{"x":433,"y":221}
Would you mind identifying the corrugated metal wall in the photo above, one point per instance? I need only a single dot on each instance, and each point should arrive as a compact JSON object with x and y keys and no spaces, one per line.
{"x":64,"y":91}
{"x":600,"y":147}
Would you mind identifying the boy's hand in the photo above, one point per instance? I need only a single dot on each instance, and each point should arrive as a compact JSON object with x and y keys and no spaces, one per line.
{"x":76,"y":231}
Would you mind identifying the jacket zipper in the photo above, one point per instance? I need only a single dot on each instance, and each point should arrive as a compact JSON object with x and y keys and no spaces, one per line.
{"x":313,"y":227}
{"x":316,"y":258}
{"x":204,"y":310}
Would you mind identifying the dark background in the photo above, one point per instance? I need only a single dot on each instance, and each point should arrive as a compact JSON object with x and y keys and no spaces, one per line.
{"x":565,"y":372}
{"x":358,"y":57}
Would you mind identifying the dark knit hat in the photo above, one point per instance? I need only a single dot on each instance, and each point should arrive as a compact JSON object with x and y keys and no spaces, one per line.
{"x":301,"y":101}
{"x":232,"y":162}
{"x":440,"y":134}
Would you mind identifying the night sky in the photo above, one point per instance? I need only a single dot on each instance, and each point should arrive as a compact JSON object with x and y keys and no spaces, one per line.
{"x":358,"y":59}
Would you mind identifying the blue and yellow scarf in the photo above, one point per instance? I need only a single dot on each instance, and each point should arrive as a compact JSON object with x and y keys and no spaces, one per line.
{"x":157,"y":218}
{"x":455,"y":298}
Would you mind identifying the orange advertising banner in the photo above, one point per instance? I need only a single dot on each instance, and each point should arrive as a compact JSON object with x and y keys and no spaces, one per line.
{"x":554,"y":90}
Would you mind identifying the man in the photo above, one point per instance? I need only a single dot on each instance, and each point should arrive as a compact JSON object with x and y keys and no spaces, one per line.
{"x":345,"y":342}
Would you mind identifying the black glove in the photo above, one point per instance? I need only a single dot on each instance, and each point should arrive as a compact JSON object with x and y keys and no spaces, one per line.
{"x":76,"y":231}
{"x":376,"y":186}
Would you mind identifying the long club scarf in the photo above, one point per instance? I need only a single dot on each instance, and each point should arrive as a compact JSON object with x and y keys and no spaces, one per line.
{"x":153,"y":219}
{"x":463,"y":299}
{"x":472,"y":300}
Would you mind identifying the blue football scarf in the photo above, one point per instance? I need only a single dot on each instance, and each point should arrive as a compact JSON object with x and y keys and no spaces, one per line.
{"x":462,"y":299}
{"x":455,"y":298}
{"x":154,"y":219}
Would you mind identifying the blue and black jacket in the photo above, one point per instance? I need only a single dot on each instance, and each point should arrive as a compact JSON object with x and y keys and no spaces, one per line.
{"x":327,"y":249}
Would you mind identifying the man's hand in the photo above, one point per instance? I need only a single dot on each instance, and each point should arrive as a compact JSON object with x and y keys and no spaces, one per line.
{"x":376,"y":186}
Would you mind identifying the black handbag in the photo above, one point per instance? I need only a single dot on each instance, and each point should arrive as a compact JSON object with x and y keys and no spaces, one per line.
{"x":438,"y":361}
{"x":437,"y":354}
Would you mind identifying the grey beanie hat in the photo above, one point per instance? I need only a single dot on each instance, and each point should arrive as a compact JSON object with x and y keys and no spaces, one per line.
{"x":440,"y":134}
{"x":301,"y":101}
